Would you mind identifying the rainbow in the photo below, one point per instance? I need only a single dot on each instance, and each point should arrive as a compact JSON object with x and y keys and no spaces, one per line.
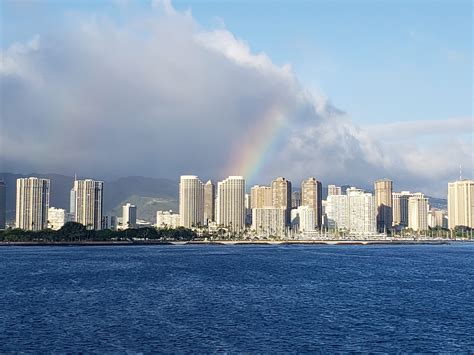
{"x":251,"y":153}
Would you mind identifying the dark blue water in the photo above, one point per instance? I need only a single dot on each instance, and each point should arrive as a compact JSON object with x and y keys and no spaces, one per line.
{"x":237,"y":298}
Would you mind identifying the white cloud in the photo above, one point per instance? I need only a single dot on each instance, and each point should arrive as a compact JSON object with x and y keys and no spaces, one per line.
{"x":168,"y":98}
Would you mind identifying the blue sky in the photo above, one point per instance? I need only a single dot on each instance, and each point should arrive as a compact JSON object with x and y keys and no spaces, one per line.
{"x":400,"y":71}
{"x":379,"y":61}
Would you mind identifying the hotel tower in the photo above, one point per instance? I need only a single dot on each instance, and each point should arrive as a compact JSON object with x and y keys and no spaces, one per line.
{"x":383,"y":203}
{"x":281,"y":196}
{"x":312,"y":196}
{"x":461,"y":203}
{"x":32,"y":203}
{"x":231,"y":203}
{"x":191,"y":201}
{"x":88,"y":204}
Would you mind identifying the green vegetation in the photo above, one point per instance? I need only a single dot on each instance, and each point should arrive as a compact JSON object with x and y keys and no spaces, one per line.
{"x":76,"y":232}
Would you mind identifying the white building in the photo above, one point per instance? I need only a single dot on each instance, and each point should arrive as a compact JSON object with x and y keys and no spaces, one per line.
{"x":461,"y":203}
{"x":191,"y":201}
{"x":57,"y":217}
{"x":334,"y":190}
{"x":167,"y":219}
{"x":418,"y":212}
{"x":353,"y":212}
{"x":336,"y":212}
{"x":88,"y":206}
{"x":437,"y":218}
{"x":362,"y":217}
{"x":303,"y":219}
{"x":32,"y":203}
{"x":231,"y":203}
{"x":269,"y":221}
{"x":129,"y":216}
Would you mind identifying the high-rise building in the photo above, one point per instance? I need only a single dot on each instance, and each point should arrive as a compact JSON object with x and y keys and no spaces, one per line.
{"x":361,"y":212}
{"x":383,"y":202}
{"x":209,"y":202}
{"x":334,"y":190}
{"x":336,"y":212}
{"x":400,"y":208}
{"x":191,"y":201}
{"x":110,"y":222}
{"x":88,"y":206}
{"x":295,"y":199}
{"x":312,"y":196}
{"x":72,"y":202}
{"x":418,"y":212}
{"x":57,"y":217}
{"x":167,"y":219}
{"x":437,"y":218}
{"x":260,"y":196}
{"x":281,"y":196}
{"x":231,"y":203}
{"x":129,"y":216}
{"x":303,"y":219}
{"x":32,"y":203}
{"x":461,"y":203}
{"x":353,"y":212}
{"x":269,"y":221}
{"x":3,"y":204}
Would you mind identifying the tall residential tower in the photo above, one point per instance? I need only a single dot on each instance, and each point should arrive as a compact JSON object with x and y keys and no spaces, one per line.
{"x":461,"y":203}
{"x":32,"y":203}
{"x":88,"y":205}
{"x":383,"y":203}
{"x":191,"y":201}
{"x":312,"y":196}
{"x":231,"y":203}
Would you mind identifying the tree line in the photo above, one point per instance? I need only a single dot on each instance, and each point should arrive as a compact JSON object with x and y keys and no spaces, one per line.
{"x":76,"y":232}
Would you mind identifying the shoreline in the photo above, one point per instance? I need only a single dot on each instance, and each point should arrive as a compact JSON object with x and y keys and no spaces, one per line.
{"x":237,"y":243}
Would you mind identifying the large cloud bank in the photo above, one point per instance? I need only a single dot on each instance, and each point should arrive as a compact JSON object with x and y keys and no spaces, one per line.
{"x":165,"y":97}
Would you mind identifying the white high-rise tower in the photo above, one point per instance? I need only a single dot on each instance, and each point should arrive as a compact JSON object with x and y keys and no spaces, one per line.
{"x":32,"y":203}
{"x":231,"y":203}
{"x":88,"y":206}
{"x":191,"y":201}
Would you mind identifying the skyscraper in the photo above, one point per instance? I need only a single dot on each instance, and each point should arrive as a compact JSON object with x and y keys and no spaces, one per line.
{"x":209,"y":202}
{"x":129,"y":216}
{"x":361,"y":212}
{"x":269,"y":220}
{"x":383,"y":202}
{"x":191,"y":201}
{"x":334,"y":190}
{"x":260,"y":196}
{"x":461,"y":203}
{"x":88,"y":206}
{"x":418,"y":212}
{"x":295,"y":199}
{"x":72,"y":202}
{"x":354,"y":212}
{"x":3,"y":206}
{"x":400,"y":208}
{"x":281,"y":196}
{"x":32,"y":203}
{"x":231,"y":203}
{"x":312,"y":196}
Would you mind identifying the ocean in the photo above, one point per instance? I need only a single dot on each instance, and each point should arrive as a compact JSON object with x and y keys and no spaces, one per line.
{"x":265,"y":299}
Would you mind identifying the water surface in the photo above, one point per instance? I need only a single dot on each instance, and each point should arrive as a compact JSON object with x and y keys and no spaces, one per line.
{"x":237,"y":298}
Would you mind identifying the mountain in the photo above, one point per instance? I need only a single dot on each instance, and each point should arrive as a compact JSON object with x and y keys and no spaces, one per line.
{"x":148,"y":194}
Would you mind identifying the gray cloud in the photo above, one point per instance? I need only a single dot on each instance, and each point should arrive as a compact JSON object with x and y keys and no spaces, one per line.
{"x":165,"y":97}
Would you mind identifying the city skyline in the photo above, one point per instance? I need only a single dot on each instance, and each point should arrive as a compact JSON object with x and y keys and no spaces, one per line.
{"x":257,"y":111}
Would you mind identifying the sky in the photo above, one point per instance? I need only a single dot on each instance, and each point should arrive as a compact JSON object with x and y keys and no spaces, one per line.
{"x":346,"y":91}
